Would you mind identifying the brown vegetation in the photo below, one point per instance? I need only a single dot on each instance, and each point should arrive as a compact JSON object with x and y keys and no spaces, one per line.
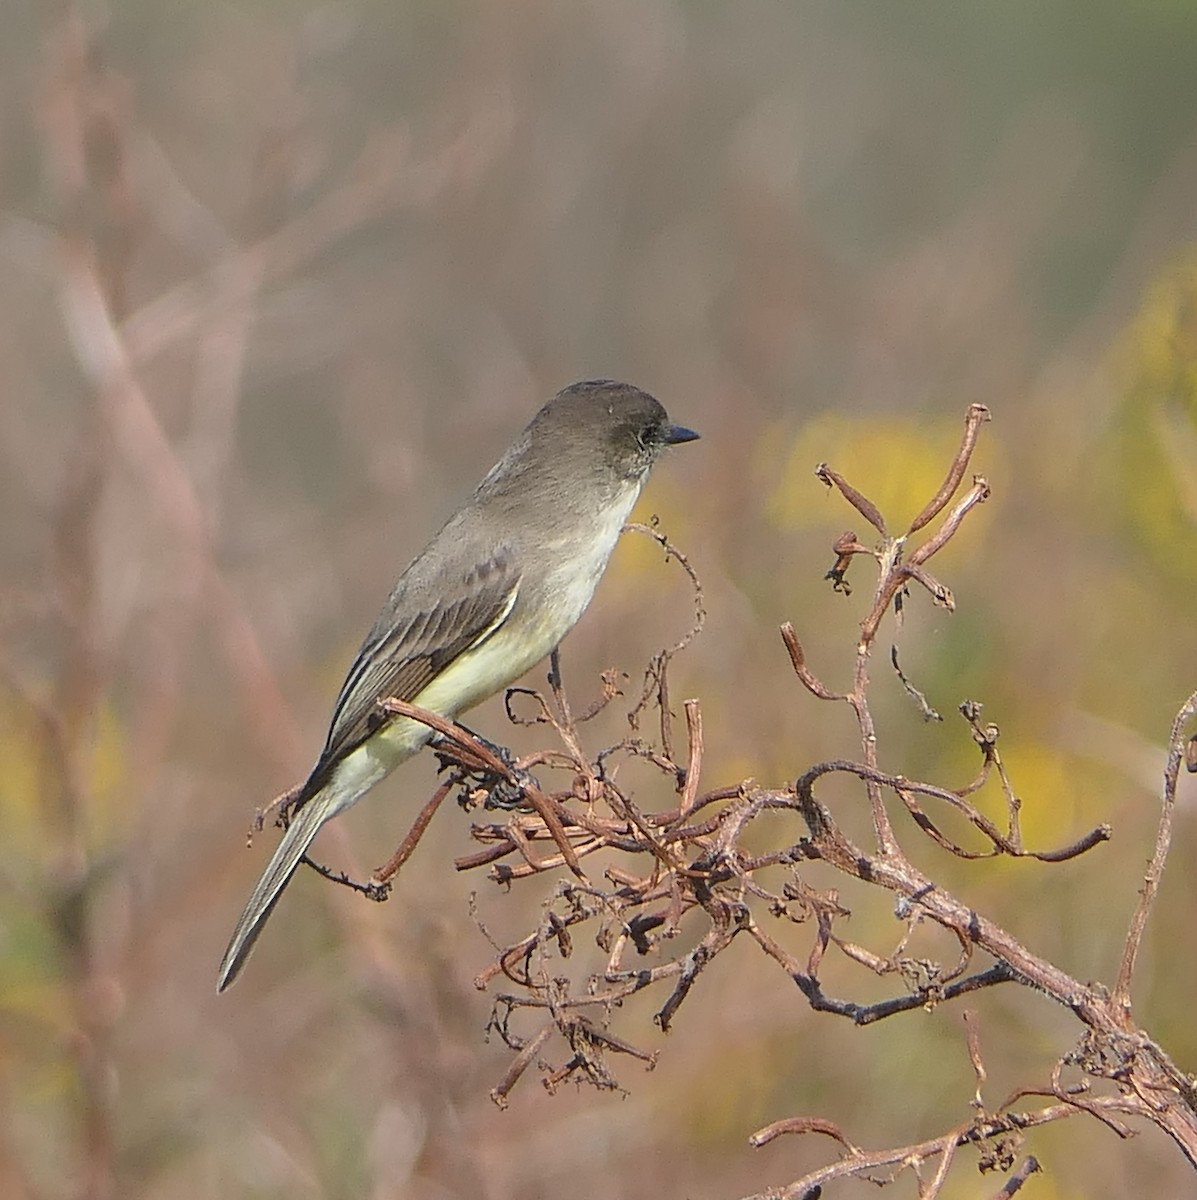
{"x":280,"y":281}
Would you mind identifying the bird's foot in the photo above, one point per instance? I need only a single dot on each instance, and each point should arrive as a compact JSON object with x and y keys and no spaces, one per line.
{"x":510,"y":792}
{"x":505,"y":791}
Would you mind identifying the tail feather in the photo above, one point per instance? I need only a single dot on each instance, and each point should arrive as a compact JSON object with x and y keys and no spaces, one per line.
{"x":297,"y":838}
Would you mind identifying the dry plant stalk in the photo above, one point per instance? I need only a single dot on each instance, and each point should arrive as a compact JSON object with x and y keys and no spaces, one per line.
{"x":687,"y":866}
{"x":104,"y":205}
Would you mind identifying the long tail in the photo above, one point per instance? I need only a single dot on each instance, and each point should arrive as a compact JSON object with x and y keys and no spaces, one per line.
{"x":297,"y":838}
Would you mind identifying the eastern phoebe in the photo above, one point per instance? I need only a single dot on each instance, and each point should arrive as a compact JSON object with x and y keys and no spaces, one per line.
{"x":490,"y":596}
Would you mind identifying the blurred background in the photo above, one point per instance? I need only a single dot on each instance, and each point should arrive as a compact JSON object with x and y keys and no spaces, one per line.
{"x":280,"y":281}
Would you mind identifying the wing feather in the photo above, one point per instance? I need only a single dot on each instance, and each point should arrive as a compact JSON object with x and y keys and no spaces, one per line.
{"x":406,"y":651}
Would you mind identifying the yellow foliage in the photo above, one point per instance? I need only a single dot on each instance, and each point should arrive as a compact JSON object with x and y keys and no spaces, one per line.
{"x":898,"y":462}
{"x":21,"y":785}
{"x":107,"y":778}
{"x":1156,"y":438}
{"x":31,"y":779}
{"x":638,"y":553}
{"x":1043,"y":779}
{"x":35,"y":785}
{"x":1162,"y":342}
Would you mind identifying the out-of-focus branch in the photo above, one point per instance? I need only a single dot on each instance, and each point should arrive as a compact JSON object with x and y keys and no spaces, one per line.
{"x":386,"y":175}
{"x":142,"y":443}
{"x":88,"y":125}
{"x":83,"y":125}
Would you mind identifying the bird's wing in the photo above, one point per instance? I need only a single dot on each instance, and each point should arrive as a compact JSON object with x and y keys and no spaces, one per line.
{"x":409,"y":647}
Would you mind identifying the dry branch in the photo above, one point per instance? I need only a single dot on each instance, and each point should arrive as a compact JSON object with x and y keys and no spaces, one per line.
{"x":665,"y":923}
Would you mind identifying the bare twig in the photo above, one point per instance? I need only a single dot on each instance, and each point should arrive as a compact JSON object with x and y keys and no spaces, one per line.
{"x":1155,"y":869}
{"x":1014,"y":1183}
{"x":656,"y":678}
{"x":482,"y":754}
{"x":858,"y":500}
{"x":694,"y":765}
{"x":976,"y":416}
{"x":388,"y":871}
{"x":861,"y":1163}
{"x":700,"y":877}
{"x":804,"y":673}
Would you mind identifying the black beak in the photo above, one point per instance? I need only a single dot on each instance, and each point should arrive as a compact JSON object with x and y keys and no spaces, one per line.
{"x":673,"y":435}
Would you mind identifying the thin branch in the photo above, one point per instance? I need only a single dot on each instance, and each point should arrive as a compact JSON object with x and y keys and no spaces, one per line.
{"x":1155,"y":869}
{"x":804,"y":673}
{"x":458,"y":735}
{"x":858,"y":500}
{"x":656,"y":677}
{"x":519,"y":1065}
{"x":977,"y":494}
{"x":1014,"y":1183}
{"x":387,"y":872}
{"x":866,"y":1163}
{"x":976,"y":416}
{"x":694,"y":764}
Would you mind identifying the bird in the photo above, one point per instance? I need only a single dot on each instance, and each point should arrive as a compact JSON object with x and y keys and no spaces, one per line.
{"x":494,"y":592}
